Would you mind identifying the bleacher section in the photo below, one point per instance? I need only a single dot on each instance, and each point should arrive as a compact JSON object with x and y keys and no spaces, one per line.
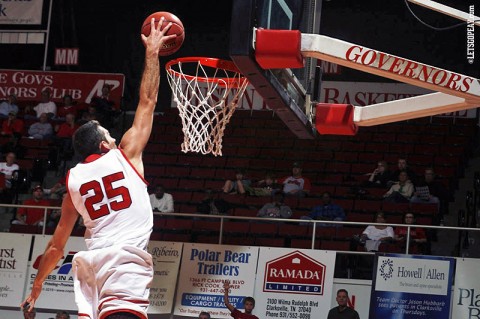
{"x":259,"y":142}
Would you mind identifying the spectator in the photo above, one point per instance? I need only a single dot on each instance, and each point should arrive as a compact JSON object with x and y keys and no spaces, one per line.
{"x":90,"y":115}
{"x":296,"y":184}
{"x":326,"y":211}
{"x":204,"y":315}
{"x":41,"y":129}
{"x":380,"y":176}
{"x":161,"y":202}
{"x":68,"y":107}
{"x":375,"y":235}
{"x":106,"y":109}
{"x":402,"y":166}
{"x":12,"y":126}
{"x":32,"y":216}
{"x":8,"y":167}
{"x":418,"y":237}
{"x":248,"y":303}
{"x":237,"y":185}
{"x":275,"y":209}
{"x":45,"y":106}
{"x":57,"y":190}
{"x":342,"y":311}
{"x":55,"y":215}
{"x":265,"y":187}
{"x":10,"y":105}
{"x":213,"y":206}
{"x":435,"y":193}
{"x":400,"y":192}
{"x":66,"y":130}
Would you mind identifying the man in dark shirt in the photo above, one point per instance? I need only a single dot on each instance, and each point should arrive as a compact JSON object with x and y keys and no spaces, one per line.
{"x":342,"y":311}
{"x":248,"y":304}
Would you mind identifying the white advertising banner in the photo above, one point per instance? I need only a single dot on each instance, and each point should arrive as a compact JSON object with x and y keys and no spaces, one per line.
{"x":466,"y":296}
{"x":21,"y":12}
{"x":359,"y":292}
{"x":166,"y":261}
{"x":14,"y":249}
{"x":59,"y":284}
{"x":203,"y":271}
{"x":294,"y":284}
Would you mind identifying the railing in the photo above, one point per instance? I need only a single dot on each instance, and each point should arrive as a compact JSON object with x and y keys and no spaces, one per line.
{"x":313,"y":223}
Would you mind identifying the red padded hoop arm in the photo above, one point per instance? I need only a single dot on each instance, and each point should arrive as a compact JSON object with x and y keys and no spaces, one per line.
{"x":278,"y":49}
{"x":335,"y":119}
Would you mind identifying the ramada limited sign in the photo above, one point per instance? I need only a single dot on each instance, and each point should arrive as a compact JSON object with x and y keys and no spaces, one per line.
{"x":295,"y":273}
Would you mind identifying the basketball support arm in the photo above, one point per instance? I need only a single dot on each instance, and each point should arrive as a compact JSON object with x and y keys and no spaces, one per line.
{"x":455,"y":91}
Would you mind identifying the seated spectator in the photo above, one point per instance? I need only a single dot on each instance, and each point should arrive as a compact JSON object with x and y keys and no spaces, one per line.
{"x":66,"y":130}
{"x":10,"y":105}
{"x":326,"y":211}
{"x":400,"y":192}
{"x":41,"y":129}
{"x":54,"y":216}
{"x":90,"y":115}
{"x":68,"y":107}
{"x":429,"y":190}
{"x":57,"y":190}
{"x":296,"y":184}
{"x":375,"y":235}
{"x":380,"y":176}
{"x":62,"y":315}
{"x":106,"y":109}
{"x":32,"y":216}
{"x":161,"y":202}
{"x":276,"y":208}
{"x":45,"y":106}
{"x":238,"y":184}
{"x":8,"y":167}
{"x":264,"y":187}
{"x":12,"y":126}
{"x":402,"y":166}
{"x":211,"y":205}
{"x":418,"y":237}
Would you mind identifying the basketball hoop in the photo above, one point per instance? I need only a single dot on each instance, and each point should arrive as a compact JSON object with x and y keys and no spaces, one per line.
{"x":206,"y":92}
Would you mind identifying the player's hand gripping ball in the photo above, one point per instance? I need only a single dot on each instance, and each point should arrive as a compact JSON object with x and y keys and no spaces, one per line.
{"x":170,"y":46}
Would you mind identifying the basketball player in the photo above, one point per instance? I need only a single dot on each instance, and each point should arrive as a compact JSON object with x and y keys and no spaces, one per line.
{"x":108,"y":190}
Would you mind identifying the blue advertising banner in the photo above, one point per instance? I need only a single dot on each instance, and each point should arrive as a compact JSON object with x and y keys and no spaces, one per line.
{"x":411,"y":287}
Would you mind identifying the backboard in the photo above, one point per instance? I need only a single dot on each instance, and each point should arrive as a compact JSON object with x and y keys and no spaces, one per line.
{"x":286,"y":91}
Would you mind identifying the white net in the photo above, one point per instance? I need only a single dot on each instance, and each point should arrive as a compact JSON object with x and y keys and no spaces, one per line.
{"x":206,"y":101}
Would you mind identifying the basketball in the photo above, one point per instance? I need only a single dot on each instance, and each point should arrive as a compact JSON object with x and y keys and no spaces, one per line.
{"x":170,"y":46}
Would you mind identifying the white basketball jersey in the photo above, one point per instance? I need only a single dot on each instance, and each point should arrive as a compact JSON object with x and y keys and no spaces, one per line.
{"x":113,"y":200}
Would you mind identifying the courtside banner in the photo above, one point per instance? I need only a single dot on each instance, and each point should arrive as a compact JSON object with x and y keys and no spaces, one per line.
{"x":28,"y":85}
{"x":294,"y":283}
{"x":166,"y":261}
{"x":203,"y":271}
{"x":21,"y":12}
{"x":466,"y":296}
{"x":358,"y":294}
{"x":411,"y":287}
{"x":57,"y":291}
{"x":14,"y":249}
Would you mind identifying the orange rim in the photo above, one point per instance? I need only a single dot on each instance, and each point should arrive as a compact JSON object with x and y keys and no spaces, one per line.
{"x":210,"y":62}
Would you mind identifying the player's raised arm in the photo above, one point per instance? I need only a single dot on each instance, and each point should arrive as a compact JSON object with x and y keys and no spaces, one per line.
{"x":135,"y":139}
{"x":226,"y":288}
{"x":54,"y":251}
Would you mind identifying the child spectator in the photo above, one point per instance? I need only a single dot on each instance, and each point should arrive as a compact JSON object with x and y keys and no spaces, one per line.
{"x":265,"y":187}
{"x":237,"y":185}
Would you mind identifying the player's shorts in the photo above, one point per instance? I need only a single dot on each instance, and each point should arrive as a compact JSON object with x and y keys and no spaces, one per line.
{"x":112,"y":279}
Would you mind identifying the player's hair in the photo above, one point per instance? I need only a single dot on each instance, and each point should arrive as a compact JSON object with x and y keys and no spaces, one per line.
{"x":249,"y":299}
{"x":204,"y":313}
{"x":342,"y":290}
{"x":87,"y":138}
